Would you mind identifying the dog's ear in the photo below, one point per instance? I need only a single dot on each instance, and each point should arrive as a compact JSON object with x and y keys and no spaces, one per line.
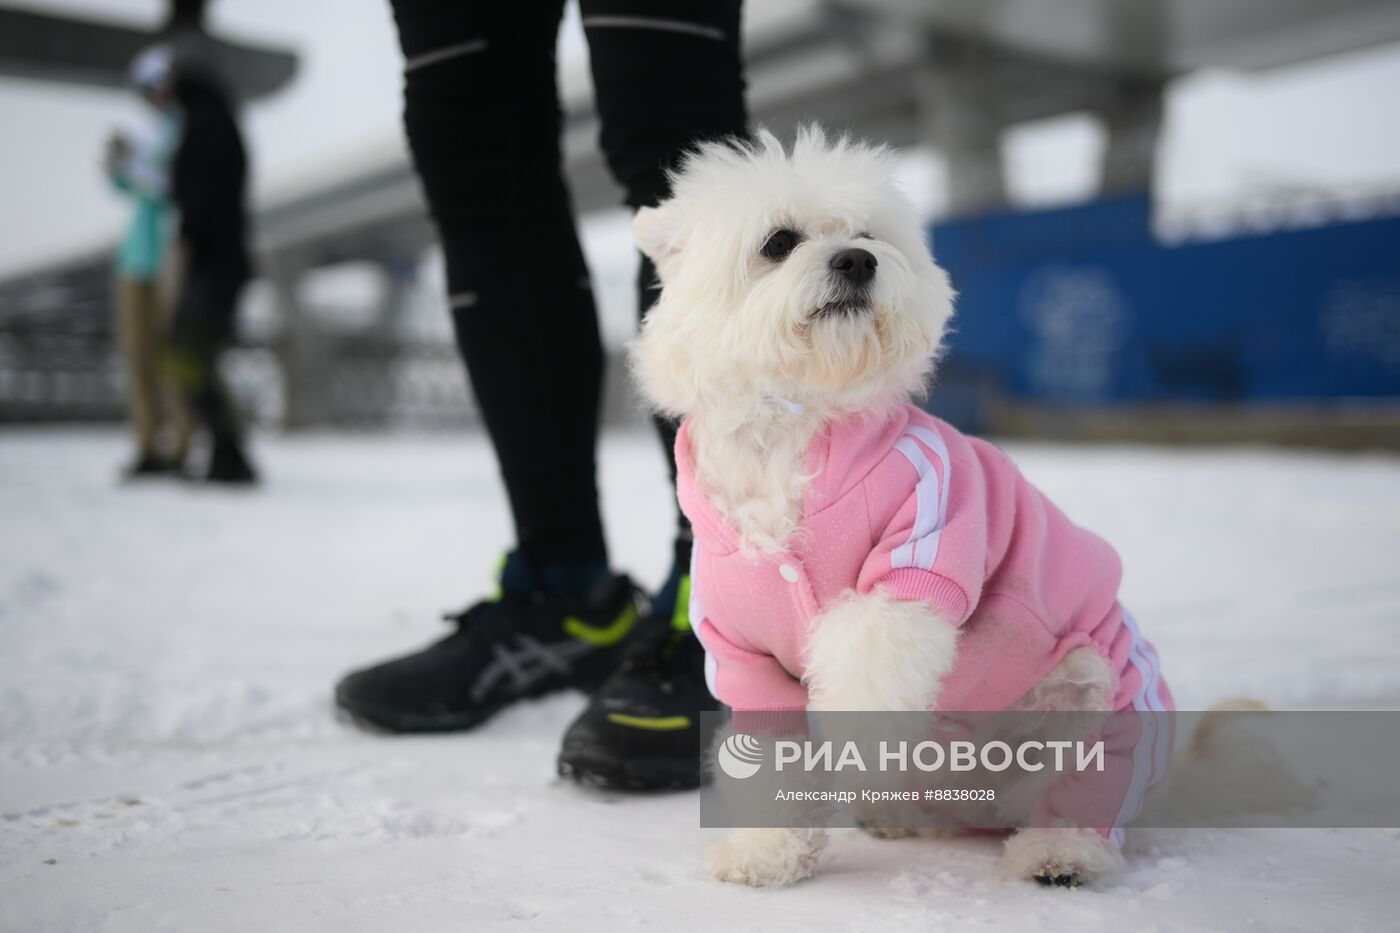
{"x":657,"y":232}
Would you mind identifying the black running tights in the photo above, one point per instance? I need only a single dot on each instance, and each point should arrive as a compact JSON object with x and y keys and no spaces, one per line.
{"x":483,"y":121}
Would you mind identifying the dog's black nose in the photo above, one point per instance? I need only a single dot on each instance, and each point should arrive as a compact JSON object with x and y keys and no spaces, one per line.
{"x":856,"y":265}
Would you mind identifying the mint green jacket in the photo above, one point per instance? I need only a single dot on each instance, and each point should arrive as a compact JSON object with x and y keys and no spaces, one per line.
{"x":144,"y":176}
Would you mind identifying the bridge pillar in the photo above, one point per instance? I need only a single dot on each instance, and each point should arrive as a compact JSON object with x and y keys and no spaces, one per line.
{"x":1134,"y":121}
{"x":963,"y":119}
{"x":388,"y":336}
{"x":301,"y":352}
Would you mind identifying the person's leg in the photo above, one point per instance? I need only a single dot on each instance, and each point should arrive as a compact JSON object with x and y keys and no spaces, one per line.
{"x":483,"y":122}
{"x":181,"y":423}
{"x":175,"y":413}
{"x":154,"y":383}
{"x":667,"y":75}
{"x":198,"y":335}
{"x":135,"y":324}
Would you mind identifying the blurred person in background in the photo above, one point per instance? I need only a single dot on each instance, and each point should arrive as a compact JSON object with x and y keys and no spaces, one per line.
{"x":208,"y":187}
{"x":483,"y":120}
{"x":138,"y":164}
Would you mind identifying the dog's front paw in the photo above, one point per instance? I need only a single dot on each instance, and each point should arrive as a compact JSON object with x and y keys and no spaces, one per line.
{"x":1060,"y":857}
{"x":765,"y":857}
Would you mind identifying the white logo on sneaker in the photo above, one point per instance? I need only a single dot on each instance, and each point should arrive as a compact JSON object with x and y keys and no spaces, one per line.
{"x":740,"y":756}
{"x":529,"y":664}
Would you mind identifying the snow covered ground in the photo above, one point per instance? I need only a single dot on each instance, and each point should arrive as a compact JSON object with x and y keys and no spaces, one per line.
{"x":169,"y":759}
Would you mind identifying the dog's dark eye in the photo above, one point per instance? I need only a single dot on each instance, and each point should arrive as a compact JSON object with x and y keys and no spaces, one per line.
{"x":780,"y":244}
{"x":864,"y":236}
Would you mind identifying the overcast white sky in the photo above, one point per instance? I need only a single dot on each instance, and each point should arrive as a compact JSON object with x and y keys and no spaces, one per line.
{"x":1321,"y":125}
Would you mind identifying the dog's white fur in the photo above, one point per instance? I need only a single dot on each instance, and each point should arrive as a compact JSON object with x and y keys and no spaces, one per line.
{"x":734,"y":331}
{"x":1050,"y":852}
{"x":876,"y":652}
{"x":765,"y":857}
{"x":736,"y":342}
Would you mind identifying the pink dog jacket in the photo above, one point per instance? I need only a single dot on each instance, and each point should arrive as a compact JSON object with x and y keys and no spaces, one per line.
{"x":909,"y":504}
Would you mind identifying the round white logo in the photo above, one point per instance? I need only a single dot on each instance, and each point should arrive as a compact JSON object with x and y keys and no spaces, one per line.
{"x":740,"y":756}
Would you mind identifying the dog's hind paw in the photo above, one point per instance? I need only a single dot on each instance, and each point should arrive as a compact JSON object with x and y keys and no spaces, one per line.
{"x":1062,"y":880}
{"x":1060,"y":857}
{"x":765,"y":857}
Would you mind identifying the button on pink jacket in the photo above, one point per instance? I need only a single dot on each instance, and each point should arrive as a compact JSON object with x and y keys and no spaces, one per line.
{"x":910,"y":505}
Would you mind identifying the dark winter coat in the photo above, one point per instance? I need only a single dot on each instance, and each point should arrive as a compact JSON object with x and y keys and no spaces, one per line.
{"x":209,"y":187}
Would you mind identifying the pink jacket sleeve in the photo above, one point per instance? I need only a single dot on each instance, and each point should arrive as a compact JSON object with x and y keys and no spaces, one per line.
{"x":931,"y":539}
{"x":746,"y":679}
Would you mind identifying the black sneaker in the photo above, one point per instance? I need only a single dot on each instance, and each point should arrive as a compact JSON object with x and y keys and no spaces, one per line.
{"x":228,"y":464}
{"x":506,"y":649}
{"x":642,"y":729}
{"x":148,"y":465}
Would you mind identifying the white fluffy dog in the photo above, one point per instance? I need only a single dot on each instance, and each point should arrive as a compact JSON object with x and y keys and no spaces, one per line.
{"x":798,"y":294}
